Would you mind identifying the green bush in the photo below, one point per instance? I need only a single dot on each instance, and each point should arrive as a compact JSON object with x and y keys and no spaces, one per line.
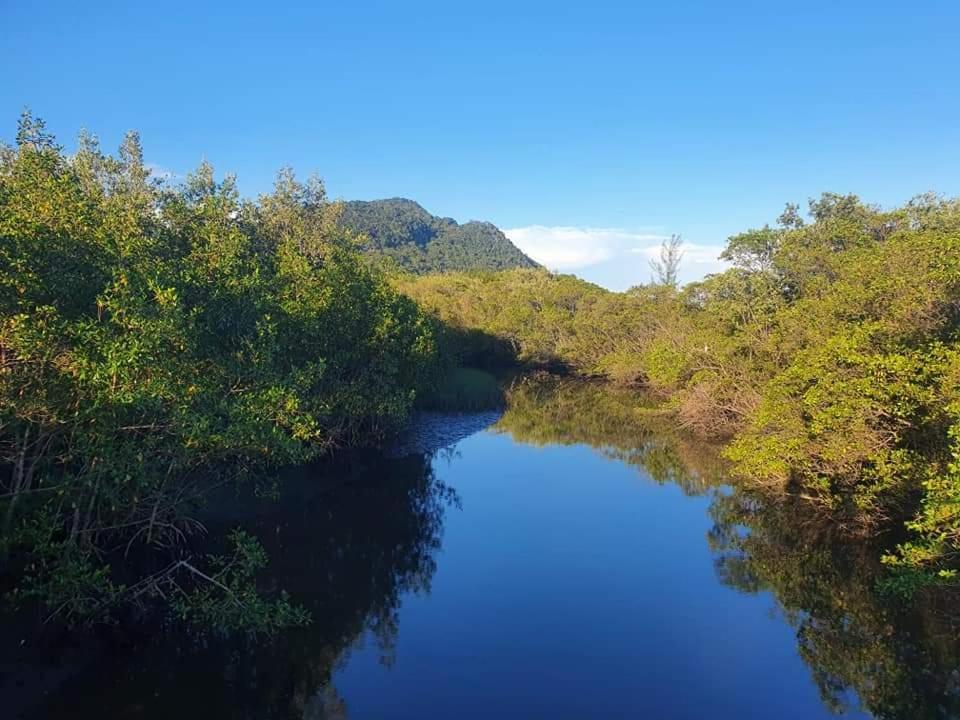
{"x":154,"y":334}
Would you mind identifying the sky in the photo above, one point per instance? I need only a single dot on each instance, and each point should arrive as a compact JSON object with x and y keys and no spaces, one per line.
{"x":587,"y":131}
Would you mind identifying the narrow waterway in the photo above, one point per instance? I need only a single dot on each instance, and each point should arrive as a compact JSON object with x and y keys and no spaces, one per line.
{"x":565,"y":560}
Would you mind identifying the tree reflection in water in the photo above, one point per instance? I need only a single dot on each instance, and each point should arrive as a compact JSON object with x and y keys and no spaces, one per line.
{"x":860,"y":644}
{"x":346,"y":540}
{"x":545,"y":409}
{"x":862,"y":647}
{"x":349,"y":539}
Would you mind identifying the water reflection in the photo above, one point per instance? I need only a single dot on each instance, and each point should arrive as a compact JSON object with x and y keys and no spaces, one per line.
{"x":346,"y":540}
{"x":353,"y":540}
{"x":863,"y":648}
{"x":546,"y":409}
{"x":860,"y":645}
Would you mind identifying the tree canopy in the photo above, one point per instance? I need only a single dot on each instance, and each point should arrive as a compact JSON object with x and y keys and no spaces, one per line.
{"x":155,"y":336}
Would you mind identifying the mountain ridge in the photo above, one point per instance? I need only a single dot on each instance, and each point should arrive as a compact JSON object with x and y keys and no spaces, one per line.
{"x":418,"y":241}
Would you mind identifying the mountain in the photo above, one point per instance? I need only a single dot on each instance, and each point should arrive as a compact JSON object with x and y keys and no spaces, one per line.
{"x":421,"y":243}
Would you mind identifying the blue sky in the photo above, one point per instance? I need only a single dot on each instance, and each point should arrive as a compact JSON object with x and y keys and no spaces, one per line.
{"x":588,"y":131}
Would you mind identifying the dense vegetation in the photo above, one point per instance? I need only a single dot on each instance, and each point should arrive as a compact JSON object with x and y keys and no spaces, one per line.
{"x":407,"y":236}
{"x":828,"y":354}
{"x":156,"y":339}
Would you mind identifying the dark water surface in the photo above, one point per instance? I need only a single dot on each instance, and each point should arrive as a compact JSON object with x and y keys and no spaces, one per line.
{"x":564,"y":561}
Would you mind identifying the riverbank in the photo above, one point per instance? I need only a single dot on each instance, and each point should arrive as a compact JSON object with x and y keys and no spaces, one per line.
{"x":560,"y":540}
{"x":827,"y":357}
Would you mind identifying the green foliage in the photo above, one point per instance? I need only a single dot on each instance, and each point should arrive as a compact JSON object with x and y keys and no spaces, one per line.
{"x":827,"y":353}
{"x":152,"y":335}
{"x":535,"y":313}
{"x":930,"y":556}
{"x":226,"y":599}
{"x":403,"y":233}
{"x":155,"y":336}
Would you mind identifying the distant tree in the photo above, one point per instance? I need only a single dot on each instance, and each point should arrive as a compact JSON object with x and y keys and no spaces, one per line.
{"x":753,"y":249}
{"x":790,"y":217}
{"x":832,"y":205}
{"x":665,"y":269}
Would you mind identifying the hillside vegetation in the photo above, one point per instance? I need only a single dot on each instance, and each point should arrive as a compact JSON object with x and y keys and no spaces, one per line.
{"x":412,"y":239}
{"x":828,"y":356}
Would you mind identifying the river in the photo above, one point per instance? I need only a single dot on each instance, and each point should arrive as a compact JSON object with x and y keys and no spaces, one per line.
{"x":568,"y":559}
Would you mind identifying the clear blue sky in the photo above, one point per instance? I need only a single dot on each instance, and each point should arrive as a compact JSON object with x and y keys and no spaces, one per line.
{"x":638,"y":118}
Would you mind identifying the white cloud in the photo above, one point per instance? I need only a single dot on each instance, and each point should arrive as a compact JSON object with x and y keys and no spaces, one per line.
{"x":692,"y":254}
{"x":570,"y":248}
{"x":612,"y":257}
{"x":697,"y":261}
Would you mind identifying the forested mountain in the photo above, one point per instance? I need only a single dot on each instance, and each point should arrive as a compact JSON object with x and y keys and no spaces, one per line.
{"x":420,"y":242}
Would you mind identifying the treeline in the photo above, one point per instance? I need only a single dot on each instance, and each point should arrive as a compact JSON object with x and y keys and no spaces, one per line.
{"x":828,"y":355}
{"x":156,"y":338}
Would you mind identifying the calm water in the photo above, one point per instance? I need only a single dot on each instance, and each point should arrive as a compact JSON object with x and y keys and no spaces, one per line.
{"x":565,"y":561}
